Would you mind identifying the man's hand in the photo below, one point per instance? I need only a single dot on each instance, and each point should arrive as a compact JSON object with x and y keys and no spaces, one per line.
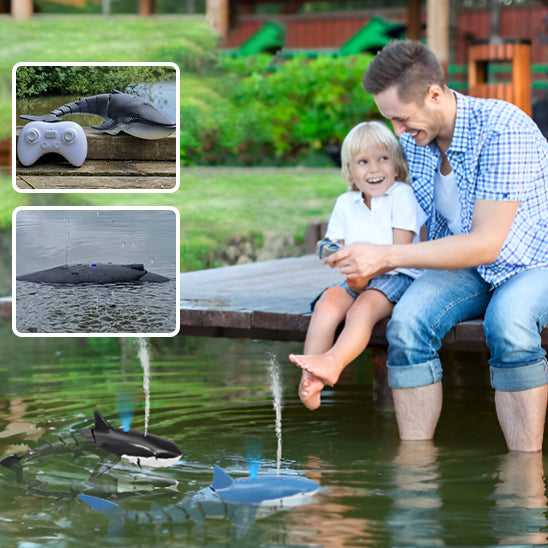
{"x":360,"y":260}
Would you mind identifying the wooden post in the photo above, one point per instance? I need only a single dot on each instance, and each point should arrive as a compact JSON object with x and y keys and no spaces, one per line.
{"x":21,"y":9}
{"x":437,"y":29}
{"x":147,"y":7}
{"x":518,"y":90}
{"x":382,"y":395}
{"x":414,"y":19}
{"x":217,"y":16}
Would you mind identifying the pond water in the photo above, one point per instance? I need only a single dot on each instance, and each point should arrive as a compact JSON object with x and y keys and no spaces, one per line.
{"x":212,"y":397}
{"x":48,"y":238}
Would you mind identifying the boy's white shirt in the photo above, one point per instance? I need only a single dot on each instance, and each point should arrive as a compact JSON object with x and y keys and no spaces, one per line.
{"x":352,"y":221}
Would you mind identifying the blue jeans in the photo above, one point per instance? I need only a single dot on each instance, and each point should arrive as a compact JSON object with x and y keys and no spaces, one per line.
{"x":514,"y":315}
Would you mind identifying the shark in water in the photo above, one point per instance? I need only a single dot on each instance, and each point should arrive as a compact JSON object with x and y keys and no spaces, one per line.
{"x":93,"y":273}
{"x":240,"y":500}
{"x":134,"y":445}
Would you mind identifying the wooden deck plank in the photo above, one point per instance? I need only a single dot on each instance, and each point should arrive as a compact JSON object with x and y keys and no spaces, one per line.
{"x":123,"y":175}
{"x":271,"y":300}
{"x":112,"y":162}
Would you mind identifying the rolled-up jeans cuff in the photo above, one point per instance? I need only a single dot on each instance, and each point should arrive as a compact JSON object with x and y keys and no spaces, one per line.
{"x":411,"y":376}
{"x":514,"y":379}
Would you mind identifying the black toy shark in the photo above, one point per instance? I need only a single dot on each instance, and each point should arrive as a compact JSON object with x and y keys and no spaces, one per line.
{"x":94,"y":273}
{"x":134,"y":445}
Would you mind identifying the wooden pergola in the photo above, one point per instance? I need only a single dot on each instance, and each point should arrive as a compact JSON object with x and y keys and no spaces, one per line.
{"x":437,"y":19}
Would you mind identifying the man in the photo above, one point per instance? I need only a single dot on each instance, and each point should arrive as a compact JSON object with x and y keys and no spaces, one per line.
{"x":479,"y":168}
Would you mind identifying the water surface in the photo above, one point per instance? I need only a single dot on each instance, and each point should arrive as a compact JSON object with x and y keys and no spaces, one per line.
{"x":210,"y":396}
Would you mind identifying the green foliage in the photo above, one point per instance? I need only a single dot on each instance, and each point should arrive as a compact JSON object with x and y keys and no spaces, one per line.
{"x":119,"y":6}
{"x":84,"y":80}
{"x":277,"y":117}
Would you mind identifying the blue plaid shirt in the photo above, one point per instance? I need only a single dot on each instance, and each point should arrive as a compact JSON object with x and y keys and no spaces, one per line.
{"x":497,"y":153}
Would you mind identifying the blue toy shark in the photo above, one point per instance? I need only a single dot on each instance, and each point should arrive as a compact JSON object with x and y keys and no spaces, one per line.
{"x":134,"y":445}
{"x":241,"y":500}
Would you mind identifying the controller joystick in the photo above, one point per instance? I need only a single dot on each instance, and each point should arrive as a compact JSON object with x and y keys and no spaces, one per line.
{"x":67,"y":139}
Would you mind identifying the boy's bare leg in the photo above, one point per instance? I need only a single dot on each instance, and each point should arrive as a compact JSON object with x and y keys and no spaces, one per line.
{"x":368,"y":309}
{"x":329,"y":312}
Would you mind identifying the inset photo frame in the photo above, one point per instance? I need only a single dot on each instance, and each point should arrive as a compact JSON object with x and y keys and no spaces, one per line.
{"x":95,"y":271}
{"x":95,"y":127}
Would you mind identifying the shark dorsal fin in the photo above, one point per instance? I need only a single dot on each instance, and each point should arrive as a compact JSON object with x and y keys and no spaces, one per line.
{"x":101,"y":423}
{"x":221,"y":479}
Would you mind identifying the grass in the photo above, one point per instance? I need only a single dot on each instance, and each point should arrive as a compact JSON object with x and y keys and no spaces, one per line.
{"x":217,"y":203}
{"x":186,"y":40}
{"x":214,"y":203}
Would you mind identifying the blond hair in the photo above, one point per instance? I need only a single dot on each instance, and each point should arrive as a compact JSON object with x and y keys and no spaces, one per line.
{"x":371,"y":134}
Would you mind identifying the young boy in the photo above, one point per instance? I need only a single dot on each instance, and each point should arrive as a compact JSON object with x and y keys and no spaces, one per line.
{"x":378,"y":208}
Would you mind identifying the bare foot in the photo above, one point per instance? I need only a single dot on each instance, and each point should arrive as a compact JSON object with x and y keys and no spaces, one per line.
{"x":310,"y":390}
{"x":324,"y":367}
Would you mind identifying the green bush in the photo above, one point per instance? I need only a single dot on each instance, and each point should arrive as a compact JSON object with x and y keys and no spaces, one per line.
{"x":83,"y":80}
{"x":277,"y":117}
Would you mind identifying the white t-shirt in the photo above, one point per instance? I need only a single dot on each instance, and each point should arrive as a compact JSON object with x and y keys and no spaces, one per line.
{"x":352,"y":221}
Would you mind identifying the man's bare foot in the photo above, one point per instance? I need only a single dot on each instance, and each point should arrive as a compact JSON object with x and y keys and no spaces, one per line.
{"x":310,"y":390}
{"x":325,"y":367}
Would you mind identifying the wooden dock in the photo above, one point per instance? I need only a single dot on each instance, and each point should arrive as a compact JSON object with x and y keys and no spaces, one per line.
{"x":271,"y":300}
{"x":116,"y":162}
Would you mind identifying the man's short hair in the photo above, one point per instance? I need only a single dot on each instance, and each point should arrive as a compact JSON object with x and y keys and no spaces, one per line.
{"x":407,"y":64}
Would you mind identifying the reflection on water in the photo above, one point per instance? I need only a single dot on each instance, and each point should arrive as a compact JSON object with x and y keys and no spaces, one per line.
{"x":210,"y":396}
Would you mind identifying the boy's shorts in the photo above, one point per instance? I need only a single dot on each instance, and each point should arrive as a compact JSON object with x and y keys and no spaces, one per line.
{"x":393,"y":286}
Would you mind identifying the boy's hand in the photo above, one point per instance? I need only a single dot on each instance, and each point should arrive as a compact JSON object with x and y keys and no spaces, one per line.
{"x":357,"y":283}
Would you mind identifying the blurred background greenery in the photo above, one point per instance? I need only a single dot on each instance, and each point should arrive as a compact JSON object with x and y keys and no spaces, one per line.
{"x":255,"y":112}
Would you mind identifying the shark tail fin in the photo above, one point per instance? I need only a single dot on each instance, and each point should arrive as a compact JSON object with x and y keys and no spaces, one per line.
{"x":13,"y":462}
{"x":50,"y":117}
{"x":221,"y":479}
{"x":115,"y":514}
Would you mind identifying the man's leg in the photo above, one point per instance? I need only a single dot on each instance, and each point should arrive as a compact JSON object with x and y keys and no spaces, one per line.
{"x":417,"y":410}
{"x":513,"y":321}
{"x":432,"y":305}
{"x":521,"y":416}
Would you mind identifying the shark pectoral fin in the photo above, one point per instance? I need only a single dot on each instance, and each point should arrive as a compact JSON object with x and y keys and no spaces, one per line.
{"x":97,"y":503}
{"x":109,"y":126}
{"x":243,"y":516}
{"x":116,"y":514}
{"x":50,"y":117}
{"x":221,"y":479}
